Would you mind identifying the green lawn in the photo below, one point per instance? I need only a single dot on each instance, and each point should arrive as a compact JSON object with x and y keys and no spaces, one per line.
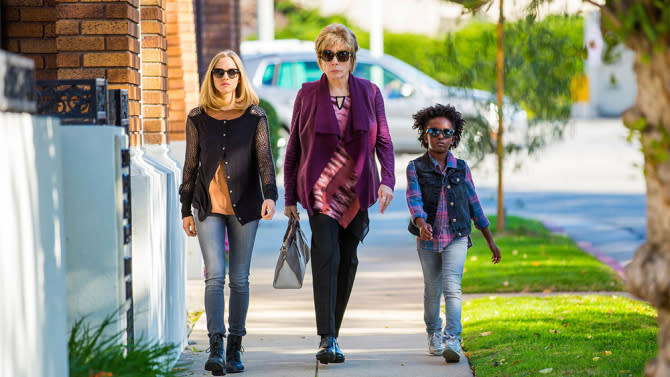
{"x":534,"y":260}
{"x":573,"y":335}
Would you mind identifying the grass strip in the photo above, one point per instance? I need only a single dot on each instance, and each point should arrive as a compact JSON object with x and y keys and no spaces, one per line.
{"x":591,"y":335}
{"x":534,"y":260}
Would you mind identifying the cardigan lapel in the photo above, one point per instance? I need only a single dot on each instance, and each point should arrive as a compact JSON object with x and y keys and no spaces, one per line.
{"x":325,"y":115}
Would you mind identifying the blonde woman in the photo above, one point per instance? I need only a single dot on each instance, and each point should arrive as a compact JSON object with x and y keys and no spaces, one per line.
{"x":227,"y":150}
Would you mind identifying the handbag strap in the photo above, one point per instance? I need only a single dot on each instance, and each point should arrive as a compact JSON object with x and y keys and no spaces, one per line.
{"x":293,"y":225}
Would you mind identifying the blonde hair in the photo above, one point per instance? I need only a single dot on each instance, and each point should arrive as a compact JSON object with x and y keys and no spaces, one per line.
{"x":332,"y":35}
{"x":244,"y":93}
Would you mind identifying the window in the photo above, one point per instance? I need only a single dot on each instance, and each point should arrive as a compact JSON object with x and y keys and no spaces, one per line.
{"x":293,"y":74}
{"x":391,"y":84}
{"x":268,"y":75}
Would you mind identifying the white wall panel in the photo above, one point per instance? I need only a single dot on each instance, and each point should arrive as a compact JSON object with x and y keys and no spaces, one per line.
{"x":32,"y":272}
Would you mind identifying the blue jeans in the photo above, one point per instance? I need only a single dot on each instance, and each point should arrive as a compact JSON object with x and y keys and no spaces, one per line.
{"x":212,"y":238}
{"x":442,"y":274}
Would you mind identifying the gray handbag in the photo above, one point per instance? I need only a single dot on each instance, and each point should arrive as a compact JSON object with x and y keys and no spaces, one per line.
{"x":293,"y":258}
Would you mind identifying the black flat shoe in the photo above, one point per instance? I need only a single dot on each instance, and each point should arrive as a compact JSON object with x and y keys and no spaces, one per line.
{"x":339,"y":356}
{"x":326,"y":353}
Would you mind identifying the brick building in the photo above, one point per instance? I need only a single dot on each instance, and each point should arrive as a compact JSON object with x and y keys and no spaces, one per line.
{"x":153,"y":48}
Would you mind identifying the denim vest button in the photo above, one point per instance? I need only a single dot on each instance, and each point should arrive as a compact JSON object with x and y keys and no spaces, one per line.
{"x":454,"y":220}
{"x":459,"y":234}
{"x":448,"y":186}
{"x":451,"y":204}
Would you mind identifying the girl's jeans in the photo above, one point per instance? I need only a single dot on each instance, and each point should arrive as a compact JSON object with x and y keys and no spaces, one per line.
{"x":442,"y":274}
{"x":212,"y":238}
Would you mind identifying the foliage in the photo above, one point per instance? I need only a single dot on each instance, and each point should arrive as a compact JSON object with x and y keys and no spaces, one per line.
{"x":305,"y":24}
{"x":275,"y":126}
{"x":541,"y":60}
{"x":573,"y":335}
{"x":93,"y":351}
{"x":530,"y":254}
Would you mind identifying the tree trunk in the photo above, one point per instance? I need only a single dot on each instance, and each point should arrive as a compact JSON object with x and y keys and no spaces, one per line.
{"x":649,"y":272}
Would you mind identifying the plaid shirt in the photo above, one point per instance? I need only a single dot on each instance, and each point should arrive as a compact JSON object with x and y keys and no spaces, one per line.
{"x":442,"y":234}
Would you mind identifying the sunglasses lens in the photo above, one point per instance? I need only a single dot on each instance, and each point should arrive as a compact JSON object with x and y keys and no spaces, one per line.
{"x":232,"y":73}
{"x":448,"y":132}
{"x":327,"y":55}
{"x":343,"y":56}
{"x":218,"y":72}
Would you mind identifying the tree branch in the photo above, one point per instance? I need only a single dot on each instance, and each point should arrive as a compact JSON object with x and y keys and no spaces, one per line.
{"x":608,"y":13}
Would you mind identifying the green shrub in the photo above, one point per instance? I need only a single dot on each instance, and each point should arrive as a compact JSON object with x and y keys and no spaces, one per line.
{"x":94,"y":352}
{"x":275,"y":126}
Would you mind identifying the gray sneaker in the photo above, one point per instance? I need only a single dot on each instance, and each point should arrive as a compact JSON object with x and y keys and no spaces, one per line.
{"x":452,"y":350}
{"x":435,"y":344}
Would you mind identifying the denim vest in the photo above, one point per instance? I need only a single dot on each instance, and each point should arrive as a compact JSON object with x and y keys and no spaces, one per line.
{"x":431,"y":181}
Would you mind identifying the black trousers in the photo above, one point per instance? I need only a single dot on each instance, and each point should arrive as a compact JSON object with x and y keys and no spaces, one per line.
{"x":334,"y":264}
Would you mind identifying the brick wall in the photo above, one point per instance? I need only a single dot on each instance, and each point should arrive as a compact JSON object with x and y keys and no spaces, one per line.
{"x":28,"y":29}
{"x":183,"y":84}
{"x":154,"y":71}
{"x":76,"y":39}
{"x":100,"y":39}
{"x":217,"y":28}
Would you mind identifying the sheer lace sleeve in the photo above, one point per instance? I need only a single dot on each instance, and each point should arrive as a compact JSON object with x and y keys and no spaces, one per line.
{"x":266,"y":166}
{"x":190,"y":166}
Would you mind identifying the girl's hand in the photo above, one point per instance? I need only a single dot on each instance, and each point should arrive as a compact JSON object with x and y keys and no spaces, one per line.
{"x":189,"y":226}
{"x":495,"y":253}
{"x":425,"y":230}
{"x":268,"y":209}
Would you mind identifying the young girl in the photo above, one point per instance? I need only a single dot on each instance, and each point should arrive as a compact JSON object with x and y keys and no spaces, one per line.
{"x":442,"y":200}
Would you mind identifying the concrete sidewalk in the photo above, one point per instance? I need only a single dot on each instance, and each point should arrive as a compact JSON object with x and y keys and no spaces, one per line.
{"x":383,"y":333}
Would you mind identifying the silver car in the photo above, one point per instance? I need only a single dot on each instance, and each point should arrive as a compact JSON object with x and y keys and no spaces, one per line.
{"x":278,"y":69}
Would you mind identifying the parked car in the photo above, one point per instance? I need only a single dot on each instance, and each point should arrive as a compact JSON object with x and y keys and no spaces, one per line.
{"x":278,"y":69}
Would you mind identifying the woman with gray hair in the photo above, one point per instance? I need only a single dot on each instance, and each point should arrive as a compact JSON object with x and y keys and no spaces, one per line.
{"x":338,"y":125}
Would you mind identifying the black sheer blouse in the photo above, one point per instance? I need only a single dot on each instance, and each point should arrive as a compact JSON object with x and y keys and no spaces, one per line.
{"x":243,"y":145}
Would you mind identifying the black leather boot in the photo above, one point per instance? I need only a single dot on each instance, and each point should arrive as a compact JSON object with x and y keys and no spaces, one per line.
{"x":215,"y":363}
{"x":234,"y":354}
{"x":339,"y":356}
{"x":326,"y":353}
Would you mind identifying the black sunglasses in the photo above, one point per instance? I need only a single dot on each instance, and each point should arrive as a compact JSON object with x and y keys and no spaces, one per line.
{"x":446,"y":132}
{"x":232,"y":73}
{"x":342,"y":56}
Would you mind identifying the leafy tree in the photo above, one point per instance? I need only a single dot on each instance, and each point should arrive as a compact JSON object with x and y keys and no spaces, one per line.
{"x":541,"y":59}
{"x":644,"y":27}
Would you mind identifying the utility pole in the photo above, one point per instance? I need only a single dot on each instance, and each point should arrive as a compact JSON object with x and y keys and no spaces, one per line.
{"x":501,"y":90}
{"x":265,"y":16}
{"x":376,"y":40}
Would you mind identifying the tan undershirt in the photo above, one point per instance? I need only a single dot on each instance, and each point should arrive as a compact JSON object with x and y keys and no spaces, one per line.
{"x":218,"y":192}
{"x":218,"y":187}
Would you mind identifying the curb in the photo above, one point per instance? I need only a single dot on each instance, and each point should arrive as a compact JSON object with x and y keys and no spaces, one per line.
{"x":589,"y":248}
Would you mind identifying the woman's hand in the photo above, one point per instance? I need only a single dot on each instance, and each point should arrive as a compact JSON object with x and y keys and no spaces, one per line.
{"x":189,"y":226}
{"x":292,"y":210}
{"x":425,"y":230}
{"x":268,"y":209}
{"x":385,"y":196}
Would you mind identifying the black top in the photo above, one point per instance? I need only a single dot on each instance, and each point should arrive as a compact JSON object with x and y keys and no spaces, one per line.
{"x":243,"y":144}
